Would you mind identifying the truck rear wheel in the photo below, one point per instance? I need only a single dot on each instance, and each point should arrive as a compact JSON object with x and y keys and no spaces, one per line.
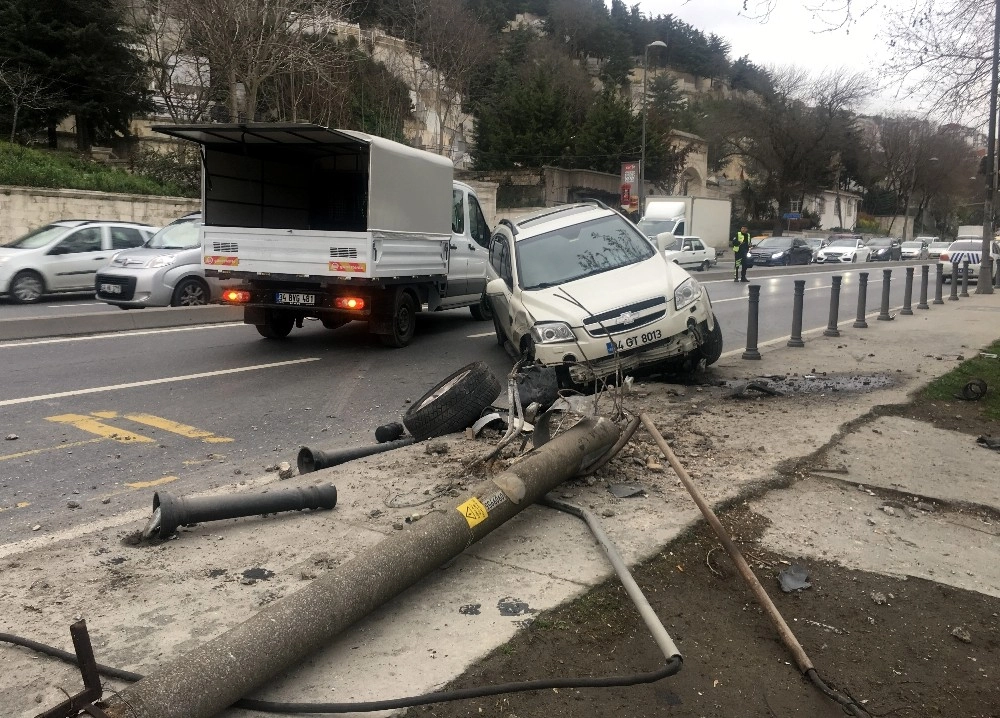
{"x":482,"y":312}
{"x":403,"y":324}
{"x":277,"y":325}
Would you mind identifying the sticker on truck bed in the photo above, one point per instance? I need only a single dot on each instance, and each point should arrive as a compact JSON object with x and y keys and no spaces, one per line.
{"x":348,"y":266}
{"x":219,"y":260}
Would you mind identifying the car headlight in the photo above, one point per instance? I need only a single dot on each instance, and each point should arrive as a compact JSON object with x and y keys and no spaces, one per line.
{"x":164,"y":260}
{"x":552,"y":332}
{"x":689,"y":291}
{"x":777,"y":255}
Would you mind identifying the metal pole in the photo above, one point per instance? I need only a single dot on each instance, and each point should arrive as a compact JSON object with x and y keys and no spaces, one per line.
{"x":908,"y":292}
{"x":965,"y":277}
{"x":203,"y":682}
{"x":751,"y":351}
{"x":883,"y":314}
{"x":925,"y":273}
{"x":939,"y":284}
{"x":986,"y":266}
{"x":831,"y":327}
{"x":860,"y":322}
{"x":642,"y":149}
{"x":953,"y":297}
{"x":800,"y":292}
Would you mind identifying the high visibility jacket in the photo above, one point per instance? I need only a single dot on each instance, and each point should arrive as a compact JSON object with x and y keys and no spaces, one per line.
{"x":741,"y":243}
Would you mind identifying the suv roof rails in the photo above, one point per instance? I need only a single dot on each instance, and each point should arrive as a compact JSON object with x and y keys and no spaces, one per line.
{"x":508,"y":223}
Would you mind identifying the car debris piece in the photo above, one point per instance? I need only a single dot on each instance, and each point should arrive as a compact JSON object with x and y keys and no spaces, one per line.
{"x":310,"y":460}
{"x":92,"y":689}
{"x":389,"y":432}
{"x":626,"y":491}
{"x":794,"y":578}
{"x":990,"y":442}
{"x":740,"y":389}
{"x":537,"y":384}
{"x":487,"y":420}
{"x":973,"y":390}
{"x":170,"y":511}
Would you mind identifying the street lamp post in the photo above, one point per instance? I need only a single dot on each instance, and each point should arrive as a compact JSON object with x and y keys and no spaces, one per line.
{"x":642,"y":150}
{"x":986,"y":261}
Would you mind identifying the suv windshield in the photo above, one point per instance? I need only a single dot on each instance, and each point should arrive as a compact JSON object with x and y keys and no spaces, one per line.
{"x":579,"y":250}
{"x":653,"y":227}
{"x":182,"y":234}
{"x":843,"y":243}
{"x":775,"y":243}
{"x":37,"y":237}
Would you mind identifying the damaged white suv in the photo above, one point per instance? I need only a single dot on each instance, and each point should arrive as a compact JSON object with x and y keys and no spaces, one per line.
{"x":580,"y":288}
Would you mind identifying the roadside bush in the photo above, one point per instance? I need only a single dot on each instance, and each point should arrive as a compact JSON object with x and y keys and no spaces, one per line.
{"x":180,"y":168}
{"x":54,"y":169}
{"x":868,"y":224}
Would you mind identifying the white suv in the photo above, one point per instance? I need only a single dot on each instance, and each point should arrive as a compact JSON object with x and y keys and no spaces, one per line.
{"x":580,"y":288}
{"x":63,"y":256}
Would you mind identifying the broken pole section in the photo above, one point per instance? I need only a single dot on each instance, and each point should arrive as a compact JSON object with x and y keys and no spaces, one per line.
{"x":206,"y":680}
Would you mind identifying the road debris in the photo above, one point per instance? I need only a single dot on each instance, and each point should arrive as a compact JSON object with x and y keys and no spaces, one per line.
{"x":626,"y":491}
{"x":973,"y":390}
{"x":285,"y":471}
{"x":12,"y":437}
{"x":794,"y":578}
{"x":961,"y":634}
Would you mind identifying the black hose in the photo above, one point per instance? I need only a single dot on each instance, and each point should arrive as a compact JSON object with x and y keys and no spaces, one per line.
{"x":849,"y":704}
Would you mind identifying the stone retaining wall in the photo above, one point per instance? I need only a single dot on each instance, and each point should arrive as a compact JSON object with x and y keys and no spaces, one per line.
{"x":25,"y":208}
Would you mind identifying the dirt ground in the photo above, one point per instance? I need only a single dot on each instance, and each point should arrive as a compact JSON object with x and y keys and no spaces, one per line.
{"x":900,"y":646}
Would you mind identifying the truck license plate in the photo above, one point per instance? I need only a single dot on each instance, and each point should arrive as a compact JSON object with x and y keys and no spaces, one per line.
{"x":111,"y":289}
{"x":293,"y":298}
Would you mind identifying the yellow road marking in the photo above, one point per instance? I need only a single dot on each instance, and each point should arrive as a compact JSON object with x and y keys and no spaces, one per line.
{"x":154,"y":482}
{"x":32,"y":452}
{"x":104,"y":414}
{"x":93,"y":426}
{"x":21,"y":505}
{"x":177,"y":428}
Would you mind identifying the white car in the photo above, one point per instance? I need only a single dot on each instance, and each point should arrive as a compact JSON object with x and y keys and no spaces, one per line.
{"x":844,"y":249}
{"x":968,"y":249}
{"x":581,"y":289}
{"x":914,"y":249}
{"x":690,"y":253}
{"x":63,"y":256}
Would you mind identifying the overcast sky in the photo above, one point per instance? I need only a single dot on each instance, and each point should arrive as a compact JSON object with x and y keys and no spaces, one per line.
{"x":790,"y":35}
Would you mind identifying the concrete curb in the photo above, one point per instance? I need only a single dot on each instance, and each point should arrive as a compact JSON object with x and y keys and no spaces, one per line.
{"x":75,"y":324}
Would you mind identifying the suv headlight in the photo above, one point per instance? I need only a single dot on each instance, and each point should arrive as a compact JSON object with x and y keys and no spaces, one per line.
{"x":162,"y":261}
{"x":689,"y":291}
{"x":552,"y":332}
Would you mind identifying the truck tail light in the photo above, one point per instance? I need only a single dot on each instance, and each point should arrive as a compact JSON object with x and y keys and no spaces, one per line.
{"x":944,"y":257}
{"x":350,"y":303}
{"x":236,"y":296}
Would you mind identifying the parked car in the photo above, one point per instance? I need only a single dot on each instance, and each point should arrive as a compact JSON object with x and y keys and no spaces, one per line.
{"x":63,"y":256}
{"x":935,"y":248}
{"x":845,"y":248}
{"x":815,"y":244}
{"x":884,"y":249}
{"x":781,"y":250}
{"x":581,"y":289}
{"x":914,"y":249}
{"x":690,"y":253}
{"x":165,"y":272}
{"x":971,"y":250}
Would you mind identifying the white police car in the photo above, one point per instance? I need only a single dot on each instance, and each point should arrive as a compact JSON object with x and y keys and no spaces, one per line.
{"x":968,"y":249}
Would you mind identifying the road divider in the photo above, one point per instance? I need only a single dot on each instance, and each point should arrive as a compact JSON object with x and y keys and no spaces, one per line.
{"x":123,"y":321}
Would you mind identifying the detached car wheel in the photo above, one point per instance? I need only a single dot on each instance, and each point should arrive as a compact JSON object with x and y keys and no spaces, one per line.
{"x":455,"y":403}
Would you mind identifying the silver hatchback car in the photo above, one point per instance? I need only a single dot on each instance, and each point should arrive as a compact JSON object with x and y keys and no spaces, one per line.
{"x":63,"y":256}
{"x":164,"y":272}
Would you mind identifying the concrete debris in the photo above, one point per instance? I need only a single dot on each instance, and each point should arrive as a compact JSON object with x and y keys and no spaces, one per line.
{"x":72,"y":504}
{"x":36,"y":527}
{"x":961,"y":634}
{"x":12,"y":437}
{"x":106,"y":500}
{"x":436,"y":447}
{"x":924,"y":506}
{"x":285,"y":470}
{"x":879,"y":598}
{"x":270,"y":468}
{"x":653,"y":464}
{"x":889,"y":510}
{"x":989,"y":442}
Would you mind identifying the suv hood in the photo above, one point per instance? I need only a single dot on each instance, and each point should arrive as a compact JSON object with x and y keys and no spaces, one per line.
{"x":619,"y":288}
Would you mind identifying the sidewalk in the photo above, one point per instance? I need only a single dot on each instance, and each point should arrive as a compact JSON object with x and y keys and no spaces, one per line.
{"x":148,"y":605}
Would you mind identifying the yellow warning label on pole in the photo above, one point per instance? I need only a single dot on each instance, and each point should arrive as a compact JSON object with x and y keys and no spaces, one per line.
{"x":473,"y":511}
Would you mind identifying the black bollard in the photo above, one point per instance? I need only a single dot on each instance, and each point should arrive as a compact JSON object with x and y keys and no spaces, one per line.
{"x":953,"y":297}
{"x":965,"y":279}
{"x":939,"y":284}
{"x":754,"y":309}
{"x":860,"y":322}
{"x":883,"y":314}
{"x":800,"y":292}
{"x":831,"y":327}
{"x":908,"y":292}
{"x":925,"y":273}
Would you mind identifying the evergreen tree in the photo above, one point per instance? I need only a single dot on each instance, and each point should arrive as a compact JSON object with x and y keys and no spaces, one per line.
{"x":82,"y":51}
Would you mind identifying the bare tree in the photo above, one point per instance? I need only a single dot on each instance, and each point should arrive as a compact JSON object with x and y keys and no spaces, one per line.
{"x":23,"y":90}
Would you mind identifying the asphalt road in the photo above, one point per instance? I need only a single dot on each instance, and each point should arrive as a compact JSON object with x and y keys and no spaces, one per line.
{"x":112,"y":417}
{"x":55,"y":304}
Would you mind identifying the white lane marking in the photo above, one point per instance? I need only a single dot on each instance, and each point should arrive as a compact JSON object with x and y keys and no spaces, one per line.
{"x":151,"y":382}
{"x":115,"y":335}
{"x":480,"y":336}
{"x":64,"y":306}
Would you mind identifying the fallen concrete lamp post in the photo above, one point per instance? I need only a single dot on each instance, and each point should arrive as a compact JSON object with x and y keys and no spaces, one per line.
{"x":206,"y":680}
{"x":171,"y":511}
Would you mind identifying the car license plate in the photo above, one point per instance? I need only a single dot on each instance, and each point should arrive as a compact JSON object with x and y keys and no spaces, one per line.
{"x":293,"y":298}
{"x":636,"y":340}
{"x":111,"y":289}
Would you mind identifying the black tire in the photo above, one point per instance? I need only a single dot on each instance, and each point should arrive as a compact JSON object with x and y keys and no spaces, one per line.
{"x":482,"y":312}
{"x":711,"y":350}
{"x":501,"y":337}
{"x":277,"y":325}
{"x":704,"y":266}
{"x":453,"y":404}
{"x":27,"y":287}
{"x":854,"y":259}
{"x":332,"y":323}
{"x":404,"y":321}
{"x":190,"y":292}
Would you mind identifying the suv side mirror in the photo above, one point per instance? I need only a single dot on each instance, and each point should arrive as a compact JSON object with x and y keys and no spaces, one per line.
{"x":495,"y":287}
